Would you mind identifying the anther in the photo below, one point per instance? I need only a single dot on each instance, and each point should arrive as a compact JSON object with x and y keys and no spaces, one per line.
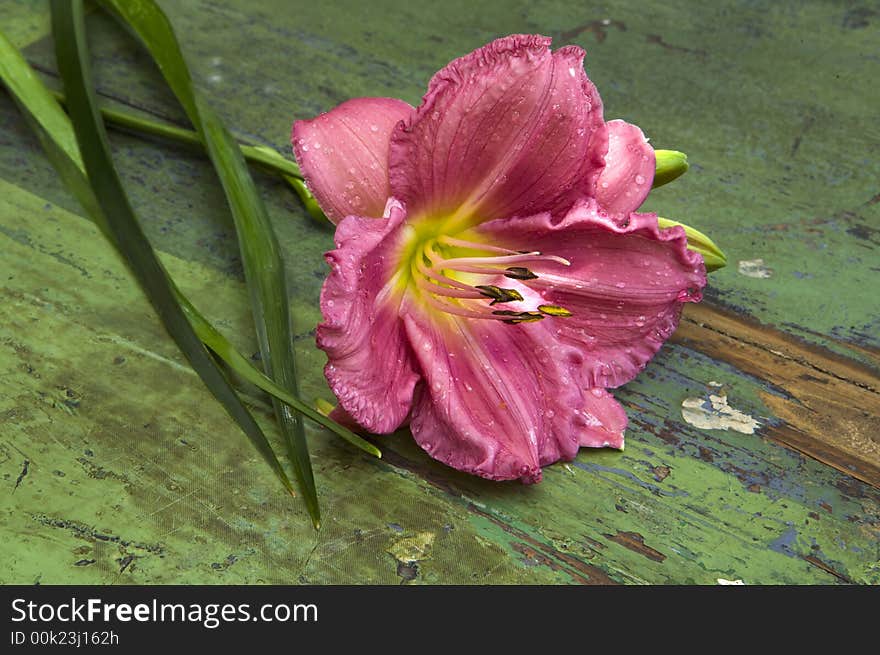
{"x":528,"y":317}
{"x":499,"y":294}
{"x":519,"y":273}
{"x":553,"y":310}
{"x":518,"y":317}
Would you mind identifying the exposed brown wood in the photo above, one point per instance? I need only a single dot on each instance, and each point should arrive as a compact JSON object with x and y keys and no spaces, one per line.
{"x":636,"y":543}
{"x":831,"y":406}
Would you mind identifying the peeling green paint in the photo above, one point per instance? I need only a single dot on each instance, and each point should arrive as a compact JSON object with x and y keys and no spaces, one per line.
{"x":116,"y":491}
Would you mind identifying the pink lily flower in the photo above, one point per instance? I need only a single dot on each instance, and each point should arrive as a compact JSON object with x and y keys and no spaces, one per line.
{"x":491,"y":278}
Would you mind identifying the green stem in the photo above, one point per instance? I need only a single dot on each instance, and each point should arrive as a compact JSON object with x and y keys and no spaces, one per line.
{"x":261,"y":155}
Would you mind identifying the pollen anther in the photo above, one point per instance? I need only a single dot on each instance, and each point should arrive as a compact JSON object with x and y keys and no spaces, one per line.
{"x":554,"y":310}
{"x":499,"y":294}
{"x":519,"y":273}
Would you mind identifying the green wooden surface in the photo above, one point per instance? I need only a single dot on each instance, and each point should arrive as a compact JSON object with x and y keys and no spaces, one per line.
{"x":774,"y":105}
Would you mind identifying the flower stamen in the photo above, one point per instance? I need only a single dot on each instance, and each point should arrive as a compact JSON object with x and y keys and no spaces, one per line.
{"x":472,"y":245}
{"x":554,"y":310}
{"x":459,"y":263}
{"x":518,"y":317}
{"x":434,"y":267}
{"x":499,"y":294}
{"x":519,"y":273}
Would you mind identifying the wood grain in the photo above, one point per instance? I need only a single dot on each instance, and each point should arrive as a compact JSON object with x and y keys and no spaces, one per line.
{"x":100,"y":487}
{"x":829,"y":404}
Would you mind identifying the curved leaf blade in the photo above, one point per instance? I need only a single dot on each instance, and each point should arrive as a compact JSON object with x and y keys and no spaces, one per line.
{"x":264,"y":269}
{"x":52,"y":126}
{"x":122,"y":225}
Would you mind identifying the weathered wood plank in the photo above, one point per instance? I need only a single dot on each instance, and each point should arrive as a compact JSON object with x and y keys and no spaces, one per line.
{"x":115,"y":490}
{"x":830,"y":404}
{"x":183,"y":473}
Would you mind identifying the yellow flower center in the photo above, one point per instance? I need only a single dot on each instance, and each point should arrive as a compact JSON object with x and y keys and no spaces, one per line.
{"x":461,"y":274}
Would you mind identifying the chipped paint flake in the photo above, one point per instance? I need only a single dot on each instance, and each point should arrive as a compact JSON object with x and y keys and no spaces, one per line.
{"x":722,"y":581}
{"x":713,"y":413}
{"x":412,"y":549}
{"x":754,"y":268}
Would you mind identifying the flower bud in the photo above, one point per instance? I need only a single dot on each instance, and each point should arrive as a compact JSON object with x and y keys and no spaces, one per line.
{"x":670,"y":165}
{"x":699,"y":242}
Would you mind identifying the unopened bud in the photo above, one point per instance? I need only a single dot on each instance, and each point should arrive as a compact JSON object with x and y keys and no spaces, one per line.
{"x":670,"y":164}
{"x":699,"y":242}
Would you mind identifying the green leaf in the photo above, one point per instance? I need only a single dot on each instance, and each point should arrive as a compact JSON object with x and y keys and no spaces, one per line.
{"x":265,"y":157}
{"x":264,"y":269}
{"x":58,"y":139}
{"x":227,"y":352}
{"x":119,"y":219}
{"x":713,"y":257}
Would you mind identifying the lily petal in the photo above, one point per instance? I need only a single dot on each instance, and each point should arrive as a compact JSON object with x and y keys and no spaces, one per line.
{"x":370,"y":366}
{"x":629,"y":170}
{"x":343,"y":155}
{"x":507,"y":130}
{"x":496,"y":403}
{"x":605,"y":421}
{"x":624,"y":288}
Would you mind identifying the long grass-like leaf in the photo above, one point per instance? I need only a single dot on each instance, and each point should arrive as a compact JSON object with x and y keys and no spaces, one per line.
{"x":265,"y":157}
{"x":52,"y":126}
{"x":121,"y":222}
{"x":264,"y":269}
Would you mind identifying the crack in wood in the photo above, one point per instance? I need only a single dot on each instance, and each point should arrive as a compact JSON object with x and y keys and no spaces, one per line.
{"x":658,"y":40}
{"x":90,"y":534}
{"x":581,"y":571}
{"x":815,"y":561}
{"x":21,"y":476}
{"x":807,"y":124}
{"x":598,"y":27}
{"x":636,"y":543}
